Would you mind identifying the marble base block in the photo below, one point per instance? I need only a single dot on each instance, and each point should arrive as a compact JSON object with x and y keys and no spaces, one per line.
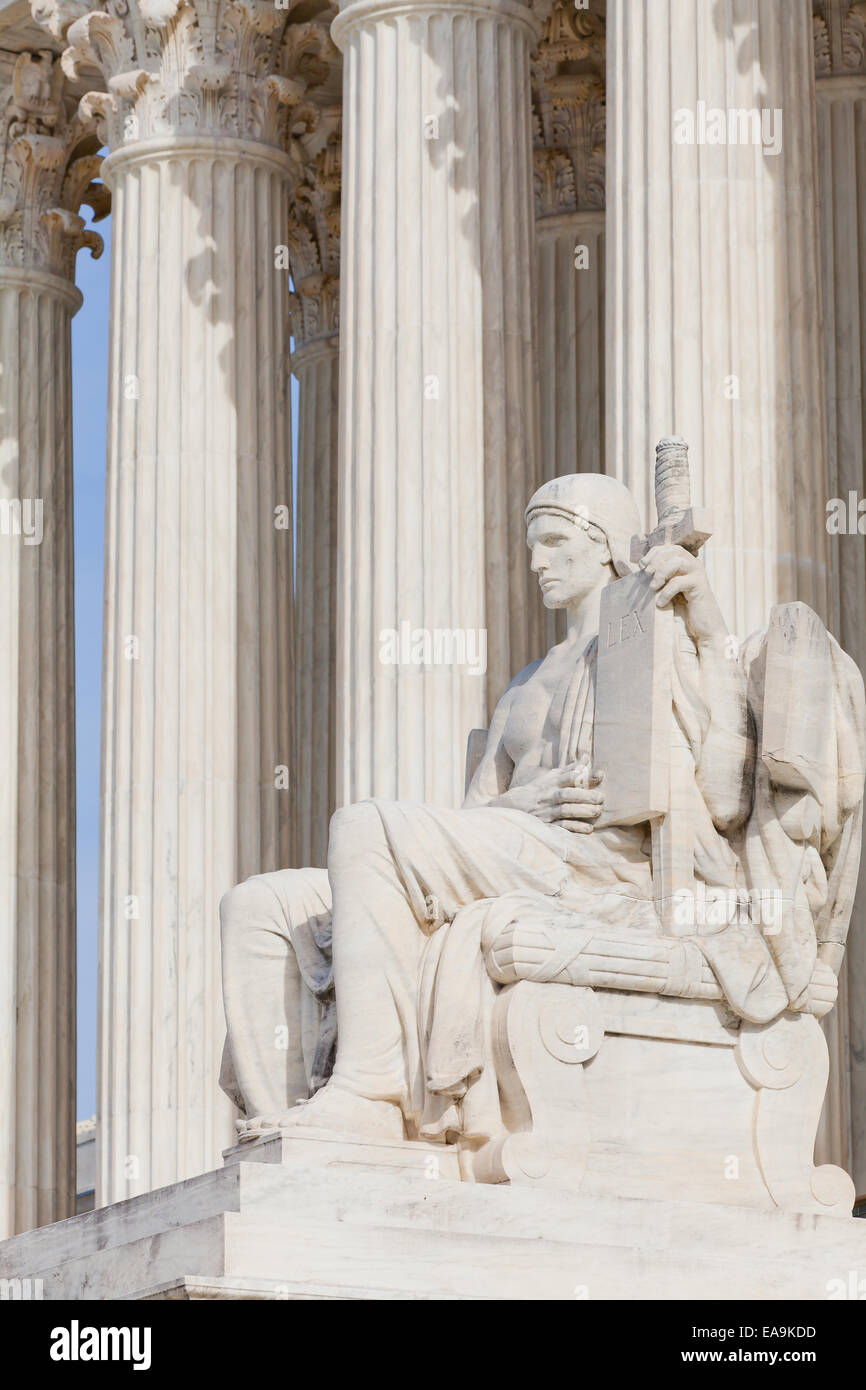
{"x":296,"y":1222}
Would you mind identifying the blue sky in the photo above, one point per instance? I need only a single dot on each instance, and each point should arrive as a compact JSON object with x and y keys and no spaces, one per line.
{"x":89,"y":399}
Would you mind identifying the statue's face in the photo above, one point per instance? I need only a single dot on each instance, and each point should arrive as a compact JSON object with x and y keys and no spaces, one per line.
{"x":569,"y":562}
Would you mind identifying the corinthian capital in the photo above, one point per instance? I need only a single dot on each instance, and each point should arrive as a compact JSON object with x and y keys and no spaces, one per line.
{"x":55,"y":16}
{"x":314,"y":242}
{"x":314,"y":222}
{"x":182,"y":67}
{"x":48,"y":167}
{"x":568,"y":109}
{"x":839,"y":32}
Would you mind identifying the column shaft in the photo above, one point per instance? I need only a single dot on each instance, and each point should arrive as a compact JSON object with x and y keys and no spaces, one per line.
{"x":316,"y":367}
{"x":438,"y":433}
{"x":568,"y":108}
{"x":37,"y":717}
{"x":713,"y":290}
{"x":314,"y":245}
{"x":198,"y":639}
{"x":47,"y":168}
{"x":571,"y":343}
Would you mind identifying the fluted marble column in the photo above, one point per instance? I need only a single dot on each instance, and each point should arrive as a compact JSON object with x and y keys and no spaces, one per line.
{"x":713,"y":284}
{"x":840,"y":64}
{"x":316,"y":365}
{"x":571,"y":342}
{"x":41,"y":188}
{"x":569,"y":120}
{"x":714,"y":306}
{"x":198,"y":745}
{"x":314,"y":245}
{"x":438,"y":434}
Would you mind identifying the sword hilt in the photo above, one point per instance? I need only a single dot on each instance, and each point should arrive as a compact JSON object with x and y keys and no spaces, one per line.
{"x":673,"y":486}
{"x":679,"y":523}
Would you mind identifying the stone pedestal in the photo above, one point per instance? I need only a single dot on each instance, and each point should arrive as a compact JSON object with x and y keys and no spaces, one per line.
{"x":323,"y":1226}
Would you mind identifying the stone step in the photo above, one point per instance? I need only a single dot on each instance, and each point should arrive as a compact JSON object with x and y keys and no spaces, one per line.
{"x":298,"y":1229}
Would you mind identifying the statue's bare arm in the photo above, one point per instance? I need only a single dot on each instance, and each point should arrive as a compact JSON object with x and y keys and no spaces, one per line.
{"x":725,"y":773}
{"x":493,"y":774}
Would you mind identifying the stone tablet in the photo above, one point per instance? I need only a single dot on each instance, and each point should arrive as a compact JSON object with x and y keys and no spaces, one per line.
{"x":798,"y":682}
{"x":633,"y":702}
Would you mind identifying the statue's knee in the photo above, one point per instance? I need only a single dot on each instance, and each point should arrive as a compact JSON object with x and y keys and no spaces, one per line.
{"x":352,"y":829}
{"x":246,"y":905}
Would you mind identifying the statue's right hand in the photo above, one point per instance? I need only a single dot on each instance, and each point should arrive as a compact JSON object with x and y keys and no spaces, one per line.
{"x":569,"y":796}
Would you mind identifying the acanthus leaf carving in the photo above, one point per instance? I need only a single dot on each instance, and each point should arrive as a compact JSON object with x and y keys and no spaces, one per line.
{"x":55,"y":16}
{"x":839,"y":37}
{"x":46,"y":173}
{"x":854,"y":38}
{"x":177,"y":67}
{"x":313,"y":233}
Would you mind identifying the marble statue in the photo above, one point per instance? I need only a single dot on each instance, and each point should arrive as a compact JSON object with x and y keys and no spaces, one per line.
{"x":606,"y":968}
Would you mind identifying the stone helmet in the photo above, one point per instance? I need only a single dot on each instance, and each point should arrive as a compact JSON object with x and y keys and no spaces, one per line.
{"x":593,"y":499}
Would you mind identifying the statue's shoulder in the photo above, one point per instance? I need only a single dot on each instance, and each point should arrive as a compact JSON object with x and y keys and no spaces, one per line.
{"x":523,"y":676}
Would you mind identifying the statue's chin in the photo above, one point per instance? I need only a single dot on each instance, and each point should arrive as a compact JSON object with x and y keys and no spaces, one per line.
{"x":552,"y":601}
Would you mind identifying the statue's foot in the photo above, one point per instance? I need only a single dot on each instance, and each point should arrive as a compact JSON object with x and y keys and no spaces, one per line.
{"x":257,"y":1127}
{"x":335,"y":1109}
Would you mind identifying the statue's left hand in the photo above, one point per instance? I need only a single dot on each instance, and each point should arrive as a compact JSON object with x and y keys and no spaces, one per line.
{"x":674,"y":572}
